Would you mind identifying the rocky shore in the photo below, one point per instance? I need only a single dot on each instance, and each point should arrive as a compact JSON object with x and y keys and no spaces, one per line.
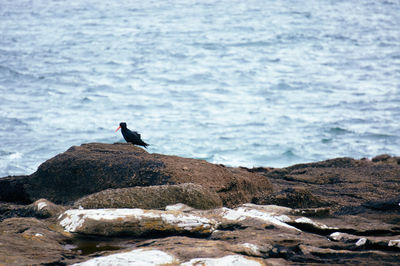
{"x":103,"y":204}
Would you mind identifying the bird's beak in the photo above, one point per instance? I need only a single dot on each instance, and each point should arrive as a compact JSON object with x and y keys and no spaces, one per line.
{"x":117,"y":128}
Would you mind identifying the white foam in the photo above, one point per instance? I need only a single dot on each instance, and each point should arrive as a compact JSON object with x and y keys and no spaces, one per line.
{"x":15,"y":156}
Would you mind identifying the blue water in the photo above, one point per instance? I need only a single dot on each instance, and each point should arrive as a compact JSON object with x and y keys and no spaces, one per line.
{"x":250,"y":83}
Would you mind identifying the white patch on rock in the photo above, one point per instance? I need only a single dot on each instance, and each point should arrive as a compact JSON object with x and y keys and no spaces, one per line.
{"x":242,"y":213}
{"x":252,"y":247}
{"x":231,"y":260}
{"x":337,"y":236}
{"x":361,"y":242}
{"x":41,"y":205}
{"x":395,"y":243}
{"x":178,"y":207}
{"x":73,"y":219}
{"x":186,"y":221}
{"x":304,"y":220}
{"x":38,"y":234}
{"x":137,"y":257}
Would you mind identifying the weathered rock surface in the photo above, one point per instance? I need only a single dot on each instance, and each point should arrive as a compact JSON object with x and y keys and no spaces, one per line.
{"x":135,"y":222}
{"x":152,"y":197}
{"x":259,"y":234}
{"x":339,"y":211}
{"x":256,"y":233}
{"x":29,"y":241}
{"x":40,"y":209}
{"x":94,"y":167}
{"x":339,"y":183}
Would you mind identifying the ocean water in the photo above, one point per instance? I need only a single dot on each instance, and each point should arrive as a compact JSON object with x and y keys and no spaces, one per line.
{"x":242,"y":83}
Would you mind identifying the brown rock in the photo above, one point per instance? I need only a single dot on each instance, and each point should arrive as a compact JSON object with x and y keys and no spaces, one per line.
{"x":94,"y":167}
{"x":43,"y":208}
{"x":152,"y":197}
{"x":294,"y":198}
{"x":12,"y":190}
{"x":28,"y":241}
{"x":338,"y":183}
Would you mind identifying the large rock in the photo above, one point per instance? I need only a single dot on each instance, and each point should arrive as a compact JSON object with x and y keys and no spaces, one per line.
{"x":40,"y":209}
{"x":135,"y":222}
{"x":94,"y":167}
{"x":246,"y":234}
{"x":29,"y":241}
{"x":157,"y":257}
{"x":12,"y":189}
{"x":152,"y":197}
{"x":340,"y":183}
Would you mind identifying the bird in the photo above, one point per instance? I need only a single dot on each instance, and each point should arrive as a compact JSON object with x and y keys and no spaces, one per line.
{"x":131,"y":136}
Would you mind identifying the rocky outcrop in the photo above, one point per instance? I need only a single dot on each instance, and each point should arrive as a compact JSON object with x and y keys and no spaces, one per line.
{"x":29,"y":241}
{"x":91,"y":168}
{"x":258,"y":234}
{"x":114,"y":197}
{"x":41,"y":208}
{"x":249,"y":233}
{"x":135,"y":222}
{"x":152,"y":197}
{"x":344,"y":184}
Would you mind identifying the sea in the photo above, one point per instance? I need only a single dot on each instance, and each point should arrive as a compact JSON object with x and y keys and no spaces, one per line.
{"x":248,"y":83}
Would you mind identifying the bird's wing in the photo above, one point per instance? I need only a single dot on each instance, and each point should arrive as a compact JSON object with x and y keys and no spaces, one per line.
{"x":133,"y":134}
{"x":136,"y":134}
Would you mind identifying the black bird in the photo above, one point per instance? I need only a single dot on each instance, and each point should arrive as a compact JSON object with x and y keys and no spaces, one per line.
{"x":131,"y":136}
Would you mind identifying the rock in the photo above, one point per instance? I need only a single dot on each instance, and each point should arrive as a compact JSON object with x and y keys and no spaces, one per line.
{"x":179,"y":207}
{"x":336,"y":183}
{"x":40,"y":209}
{"x":339,"y":211}
{"x":313,"y":212}
{"x":134,"y":222}
{"x":386,"y":205}
{"x":383,"y":242}
{"x":9,"y":210}
{"x":12,"y":190}
{"x":157,"y":257}
{"x":29,"y":241}
{"x":385,"y":158}
{"x":43,"y":208}
{"x":133,"y":257}
{"x":152,"y":197}
{"x":91,"y":168}
{"x":234,"y":260}
{"x":249,"y":233}
{"x":293,"y":198}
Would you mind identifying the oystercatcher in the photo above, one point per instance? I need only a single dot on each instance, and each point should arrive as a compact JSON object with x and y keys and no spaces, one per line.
{"x":131,"y":136}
